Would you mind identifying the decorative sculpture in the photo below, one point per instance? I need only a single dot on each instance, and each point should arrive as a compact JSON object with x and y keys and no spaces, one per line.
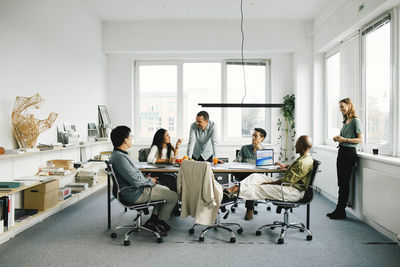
{"x":26,"y":127}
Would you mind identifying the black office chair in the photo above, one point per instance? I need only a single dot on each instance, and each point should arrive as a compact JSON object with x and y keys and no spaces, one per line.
{"x":286,"y":205}
{"x":143,"y":153}
{"x":140,"y":208}
{"x":221,"y":225}
{"x":189,"y":165}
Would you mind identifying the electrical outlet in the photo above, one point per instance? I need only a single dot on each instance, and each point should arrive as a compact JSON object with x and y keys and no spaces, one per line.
{"x":360,"y":7}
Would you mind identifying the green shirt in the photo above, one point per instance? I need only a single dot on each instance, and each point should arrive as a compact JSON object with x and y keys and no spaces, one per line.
{"x":299,"y":173}
{"x":351,"y":130}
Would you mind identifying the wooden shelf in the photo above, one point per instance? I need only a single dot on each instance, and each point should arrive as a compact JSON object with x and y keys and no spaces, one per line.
{"x":25,"y":154}
{"x":19,"y":227}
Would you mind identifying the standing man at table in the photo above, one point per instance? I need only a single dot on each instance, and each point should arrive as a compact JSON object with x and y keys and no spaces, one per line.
{"x":202,"y":144}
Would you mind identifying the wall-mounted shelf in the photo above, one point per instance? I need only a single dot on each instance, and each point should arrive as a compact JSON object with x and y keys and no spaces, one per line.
{"x":25,"y":154}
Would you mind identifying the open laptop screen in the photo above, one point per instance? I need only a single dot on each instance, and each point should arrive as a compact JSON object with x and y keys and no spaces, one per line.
{"x":264,"y":157}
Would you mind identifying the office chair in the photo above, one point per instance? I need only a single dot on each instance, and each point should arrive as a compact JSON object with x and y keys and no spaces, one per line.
{"x":196,"y":199}
{"x":143,"y":153}
{"x":218,"y":224}
{"x":287,"y":205}
{"x":140,"y":208}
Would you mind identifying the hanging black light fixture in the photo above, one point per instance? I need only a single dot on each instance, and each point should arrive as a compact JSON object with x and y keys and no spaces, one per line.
{"x":241,"y":105}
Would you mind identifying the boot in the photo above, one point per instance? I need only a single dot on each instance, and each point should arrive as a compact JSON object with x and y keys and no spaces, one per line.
{"x":249,"y":215}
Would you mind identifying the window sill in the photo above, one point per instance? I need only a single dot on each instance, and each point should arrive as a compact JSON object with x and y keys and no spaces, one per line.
{"x":365,"y":155}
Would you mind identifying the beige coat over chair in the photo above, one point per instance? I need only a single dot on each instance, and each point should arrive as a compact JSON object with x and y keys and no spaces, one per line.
{"x":201,"y":195}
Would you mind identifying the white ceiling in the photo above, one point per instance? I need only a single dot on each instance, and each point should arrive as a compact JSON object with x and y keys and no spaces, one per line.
{"x":125,"y":10}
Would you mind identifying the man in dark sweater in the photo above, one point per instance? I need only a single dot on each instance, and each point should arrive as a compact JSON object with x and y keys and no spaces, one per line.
{"x":134,"y":187}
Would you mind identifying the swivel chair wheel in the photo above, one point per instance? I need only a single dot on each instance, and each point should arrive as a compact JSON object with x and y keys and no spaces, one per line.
{"x":272,"y":228}
{"x":240,"y":230}
{"x":268,"y":208}
{"x":232,"y":240}
{"x":255,"y":212}
{"x":201,"y":238}
{"x":113,"y":235}
{"x":191,"y":231}
{"x":309,"y":237}
{"x":233,"y":209}
{"x":258,"y":232}
{"x":159,"y":240}
{"x":301,"y":230}
{"x":291,"y":210}
{"x":280,"y":241}
{"x":127,"y":243}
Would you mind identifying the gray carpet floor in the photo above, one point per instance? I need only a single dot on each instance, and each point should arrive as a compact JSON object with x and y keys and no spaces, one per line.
{"x":77,"y":236}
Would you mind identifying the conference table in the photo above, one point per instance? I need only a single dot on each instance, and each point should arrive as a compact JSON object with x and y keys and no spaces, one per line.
{"x":230,"y":168}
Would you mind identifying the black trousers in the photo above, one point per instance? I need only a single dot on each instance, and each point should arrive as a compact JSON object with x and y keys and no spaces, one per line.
{"x":249,"y":204}
{"x":210,"y":159}
{"x":167,"y":179}
{"x":346,"y":160}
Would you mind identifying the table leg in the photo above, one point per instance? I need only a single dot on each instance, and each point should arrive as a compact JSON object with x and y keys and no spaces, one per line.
{"x":108,"y":202}
{"x":308,"y":217}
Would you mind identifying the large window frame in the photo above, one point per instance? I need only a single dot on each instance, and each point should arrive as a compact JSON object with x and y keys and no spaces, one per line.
{"x":387,"y":149}
{"x":224,"y":139}
{"x":331,"y":53}
{"x":392,"y":148}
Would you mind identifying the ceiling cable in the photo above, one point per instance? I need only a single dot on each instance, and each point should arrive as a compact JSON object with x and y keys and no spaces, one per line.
{"x":241,"y":50}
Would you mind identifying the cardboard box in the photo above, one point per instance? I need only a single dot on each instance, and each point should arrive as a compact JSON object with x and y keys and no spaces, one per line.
{"x":63,"y":163}
{"x":41,"y":197}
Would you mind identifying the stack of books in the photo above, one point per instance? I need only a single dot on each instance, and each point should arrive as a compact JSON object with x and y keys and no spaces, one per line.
{"x":44,"y":147}
{"x":47,"y":171}
{"x":77,"y":187}
{"x":88,"y":177}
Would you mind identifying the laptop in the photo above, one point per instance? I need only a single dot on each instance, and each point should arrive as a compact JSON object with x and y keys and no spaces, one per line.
{"x":265,"y":159}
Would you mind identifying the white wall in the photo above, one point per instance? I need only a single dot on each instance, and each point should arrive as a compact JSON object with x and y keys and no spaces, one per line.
{"x":339,"y":19}
{"x":54,"y":48}
{"x":164,"y":37}
{"x":376,"y":176}
{"x":125,"y":42}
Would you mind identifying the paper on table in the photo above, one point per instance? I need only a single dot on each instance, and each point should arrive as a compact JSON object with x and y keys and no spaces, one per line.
{"x":242,"y":166}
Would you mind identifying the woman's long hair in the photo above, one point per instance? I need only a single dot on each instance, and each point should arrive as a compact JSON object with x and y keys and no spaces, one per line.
{"x":158,"y":141}
{"x":351,"y":114}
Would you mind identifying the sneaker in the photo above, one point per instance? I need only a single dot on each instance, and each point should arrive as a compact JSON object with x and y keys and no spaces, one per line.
{"x":154,"y":227}
{"x":249,"y":215}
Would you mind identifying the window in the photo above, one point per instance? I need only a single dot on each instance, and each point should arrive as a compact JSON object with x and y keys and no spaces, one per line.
{"x":157,"y":90}
{"x":167,"y":95}
{"x":241,"y":122}
{"x":201,"y":84}
{"x":377,"y":82}
{"x":334,"y":117}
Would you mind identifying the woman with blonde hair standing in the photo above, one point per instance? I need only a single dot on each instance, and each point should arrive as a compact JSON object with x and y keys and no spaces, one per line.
{"x":350,"y":136}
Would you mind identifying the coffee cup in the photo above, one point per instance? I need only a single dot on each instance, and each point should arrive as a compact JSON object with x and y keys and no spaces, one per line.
{"x":375,"y":151}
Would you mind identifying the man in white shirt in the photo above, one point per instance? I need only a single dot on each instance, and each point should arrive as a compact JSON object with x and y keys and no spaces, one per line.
{"x":202,"y":144}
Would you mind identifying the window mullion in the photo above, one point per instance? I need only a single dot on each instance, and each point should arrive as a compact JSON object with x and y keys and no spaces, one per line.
{"x":180,"y":100}
{"x":224,"y":123}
